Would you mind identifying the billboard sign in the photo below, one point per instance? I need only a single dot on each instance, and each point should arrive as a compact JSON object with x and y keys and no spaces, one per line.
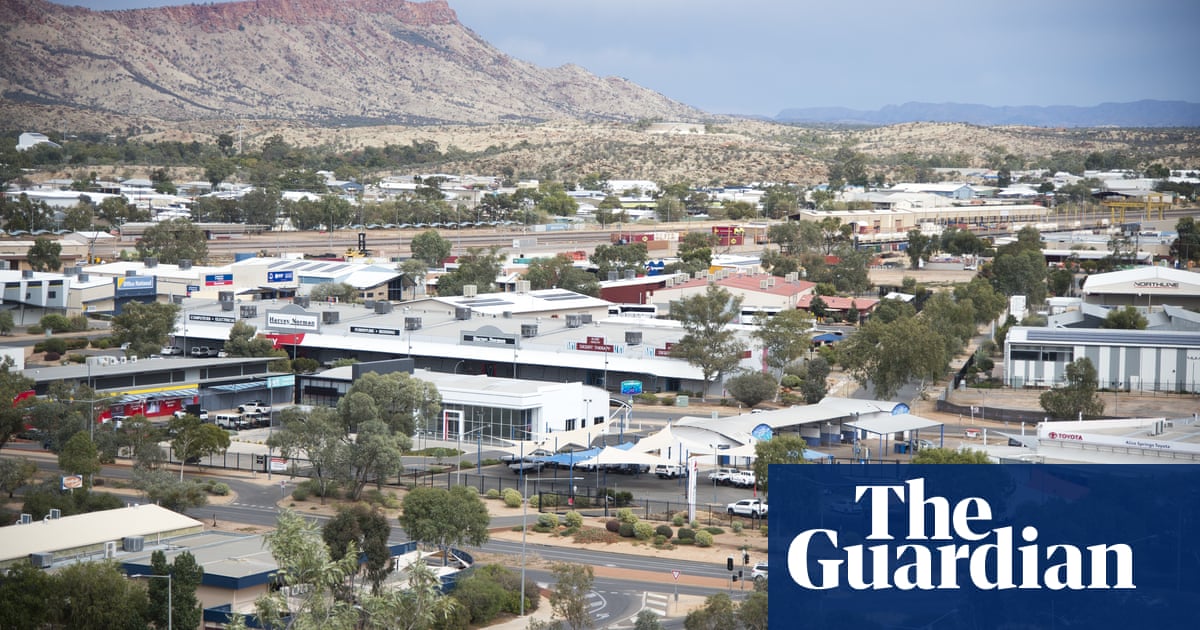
{"x":281,"y":276}
{"x":293,"y":319}
{"x":631,"y":388}
{"x":128,"y":286}
{"x":218,"y":279}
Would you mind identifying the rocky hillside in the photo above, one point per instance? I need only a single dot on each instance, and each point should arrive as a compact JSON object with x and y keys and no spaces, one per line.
{"x":327,"y":61}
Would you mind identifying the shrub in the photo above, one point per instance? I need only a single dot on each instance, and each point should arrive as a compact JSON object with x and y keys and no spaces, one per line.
{"x":664,"y":530}
{"x":547,"y":520}
{"x":490,"y":462}
{"x":493,"y":493}
{"x":77,"y":343}
{"x":549,"y":500}
{"x":103,"y":343}
{"x":466,"y":464}
{"x":715,"y":531}
{"x":704,"y":539}
{"x":643,"y":530}
{"x":621,"y":498}
{"x":668,"y":401}
{"x":76,"y":358}
{"x":763,"y":530}
{"x":512,"y":498}
{"x":56,"y":345}
{"x":695,"y":524}
{"x":737,"y":527}
{"x":590,"y":535}
{"x":34,"y":329}
{"x":79,"y":322}
{"x":686,"y":533}
{"x":574,"y":519}
{"x":626,"y":515}
{"x":626,"y":530}
{"x":613,"y":525}
{"x":300,"y":493}
{"x":56,"y":323}
{"x":53,"y":356}
{"x":481,"y":596}
{"x":220,"y":489}
{"x":659,"y":541}
{"x":679,"y":520}
{"x":534,"y":501}
{"x":646,"y":398}
{"x":791,"y":381}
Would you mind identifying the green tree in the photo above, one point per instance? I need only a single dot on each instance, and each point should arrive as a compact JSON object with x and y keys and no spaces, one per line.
{"x":303,"y":558}
{"x":1020,"y":273}
{"x":338,"y":291}
{"x":173,"y":240}
{"x":418,"y":606}
{"x":431,"y":248}
{"x":79,"y":217}
{"x":118,"y":211}
{"x":97,"y":595}
{"x":718,"y":613}
{"x":374,"y":454}
{"x":569,"y":597}
{"x":669,"y":209}
{"x":415,"y":270}
{"x":245,"y":342}
{"x":780,"y":202}
{"x":555,"y":201}
{"x":753,"y":611}
{"x":15,"y":473}
{"x":6,"y":323}
{"x":79,"y":457}
{"x":618,"y":258}
{"x":218,"y":170}
{"x":561,"y":272}
{"x":918,"y":247}
{"x":478,"y":267}
{"x":28,"y":597}
{"x":186,"y":574}
{"x":1127,"y":318}
{"x":708,"y":342}
{"x":609,"y":210}
{"x":1186,"y":246}
{"x":315,"y":435}
{"x":949,"y":456}
{"x":780,"y":449}
{"x":365,"y":529}
{"x":260,"y":206}
{"x":195,"y":438}
{"x":445,"y":518}
{"x":890,"y":355}
{"x":145,"y":327}
{"x":784,"y":337}
{"x":398,"y":399}
{"x":44,"y":254}
{"x":751,"y":388}
{"x":696,"y":251}
{"x":834,"y":234}
{"x":648,"y":620}
{"x":1078,"y":396}
{"x":815,"y":386}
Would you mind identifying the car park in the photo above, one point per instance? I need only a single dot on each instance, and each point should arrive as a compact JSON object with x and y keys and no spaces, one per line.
{"x":748,"y":507}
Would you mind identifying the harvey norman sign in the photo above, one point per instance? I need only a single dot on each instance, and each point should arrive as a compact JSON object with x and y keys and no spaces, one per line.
{"x":293,"y":319}
{"x":489,"y":336}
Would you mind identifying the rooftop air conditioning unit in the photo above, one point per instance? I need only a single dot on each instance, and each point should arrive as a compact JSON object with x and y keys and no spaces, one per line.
{"x":630,"y":274}
{"x":129,"y":273}
{"x":110,"y":549}
{"x":301,"y":301}
{"x":412,"y":323}
{"x":26,"y":519}
{"x":41,"y":560}
{"x":633,"y":337}
{"x":177,"y":299}
{"x":612,"y":275}
{"x":771,"y":281}
{"x":791,"y":276}
{"x":27,"y":273}
{"x":383,"y":308}
{"x":574,"y":321}
{"x":249,"y":311}
{"x":226,"y":306}
{"x":585,"y":318}
{"x":470,"y":290}
{"x":369,"y":304}
{"x":762,"y":284}
{"x":523,"y":286}
{"x":83,"y":277}
{"x":71,"y":271}
{"x":506,"y":315}
{"x":54,"y":513}
{"x":462,"y":313}
{"x":151,"y":263}
{"x":133,"y":543}
{"x":225,"y":296}
{"x":529,"y":330}
{"x":185,"y":264}
{"x":329,"y":317}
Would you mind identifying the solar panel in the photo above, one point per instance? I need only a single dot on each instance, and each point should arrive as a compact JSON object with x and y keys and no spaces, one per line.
{"x":558,"y":297}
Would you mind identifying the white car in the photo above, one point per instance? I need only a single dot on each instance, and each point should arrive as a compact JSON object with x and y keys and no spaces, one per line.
{"x":760,"y":572}
{"x":748,"y":507}
{"x":168,"y":351}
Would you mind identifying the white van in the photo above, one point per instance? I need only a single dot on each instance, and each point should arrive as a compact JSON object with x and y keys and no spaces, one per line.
{"x":230,"y":420}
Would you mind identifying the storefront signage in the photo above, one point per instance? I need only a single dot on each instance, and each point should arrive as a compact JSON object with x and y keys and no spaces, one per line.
{"x":219,"y":319}
{"x":281,"y":276}
{"x":489,"y":336}
{"x":293,"y":318}
{"x":136,"y":285}
{"x":218,"y":279}
{"x":594,"y":344}
{"x":372,"y":330}
{"x":1155,"y":284}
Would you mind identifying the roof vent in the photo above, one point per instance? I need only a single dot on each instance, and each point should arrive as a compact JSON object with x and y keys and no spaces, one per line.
{"x":383,"y":307}
{"x":574,"y":321}
{"x":185,"y":264}
{"x":529,"y":330}
{"x":329,"y":317}
{"x":470,"y":290}
{"x":633,"y":337}
{"x":249,"y":311}
{"x":412,"y":323}
{"x":462,"y":313}
{"x":150,"y":262}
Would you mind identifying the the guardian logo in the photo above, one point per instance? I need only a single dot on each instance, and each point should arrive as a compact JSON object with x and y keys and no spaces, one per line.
{"x":974,"y":554}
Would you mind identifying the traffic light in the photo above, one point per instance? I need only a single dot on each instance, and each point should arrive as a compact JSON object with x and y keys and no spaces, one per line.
{"x":745,"y":557}
{"x":735,"y":577}
{"x":729,"y":563}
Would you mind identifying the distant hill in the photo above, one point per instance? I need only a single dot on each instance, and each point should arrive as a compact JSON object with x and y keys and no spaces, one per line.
{"x":327,"y":61}
{"x":1147,"y":113}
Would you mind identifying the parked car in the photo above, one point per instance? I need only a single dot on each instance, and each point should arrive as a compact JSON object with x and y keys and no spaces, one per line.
{"x":256,"y":407}
{"x":168,"y":351}
{"x":527,"y":467}
{"x":742,"y":479}
{"x":748,"y":507}
{"x":721,"y":476}
{"x":200,"y":351}
{"x":668,"y":471}
{"x":759,"y":573}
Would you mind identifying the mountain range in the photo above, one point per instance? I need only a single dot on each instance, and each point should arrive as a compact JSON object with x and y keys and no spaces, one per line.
{"x":1144,"y":113}
{"x":323,"y":61}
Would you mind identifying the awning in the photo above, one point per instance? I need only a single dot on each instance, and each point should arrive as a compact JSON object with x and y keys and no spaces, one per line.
{"x":175,"y":393}
{"x":893,"y":424}
{"x":240,"y":387}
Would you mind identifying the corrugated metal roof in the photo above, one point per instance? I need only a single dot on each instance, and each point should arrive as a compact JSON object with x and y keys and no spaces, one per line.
{"x":93,"y":528}
{"x":1106,"y":336}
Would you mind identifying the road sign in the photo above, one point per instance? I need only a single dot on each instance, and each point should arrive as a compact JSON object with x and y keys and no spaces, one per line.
{"x":675,"y":573}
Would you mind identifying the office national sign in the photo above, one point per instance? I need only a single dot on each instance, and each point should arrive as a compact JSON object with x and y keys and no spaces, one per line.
{"x":985,"y":546}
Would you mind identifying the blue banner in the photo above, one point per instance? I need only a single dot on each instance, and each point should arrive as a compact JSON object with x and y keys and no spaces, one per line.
{"x":985,"y":546}
{"x":280,"y":276}
{"x":136,"y":285}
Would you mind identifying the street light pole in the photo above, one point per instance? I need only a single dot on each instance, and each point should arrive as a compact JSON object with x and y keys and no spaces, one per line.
{"x":169,"y":588}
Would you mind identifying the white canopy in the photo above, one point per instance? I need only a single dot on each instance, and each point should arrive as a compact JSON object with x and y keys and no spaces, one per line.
{"x":613,"y":456}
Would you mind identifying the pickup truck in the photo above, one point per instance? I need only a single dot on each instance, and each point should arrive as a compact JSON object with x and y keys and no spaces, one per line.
{"x":668,"y":471}
{"x":254,"y":407}
{"x":748,"y":507}
{"x":742,"y":479}
{"x":526,"y":467}
{"x":722,"y":476}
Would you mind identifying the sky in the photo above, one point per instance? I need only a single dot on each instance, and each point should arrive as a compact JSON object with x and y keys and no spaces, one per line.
{"x":758,"y":57}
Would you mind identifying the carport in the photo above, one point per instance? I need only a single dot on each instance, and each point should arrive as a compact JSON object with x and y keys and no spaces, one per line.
{"x":891,"y":425}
